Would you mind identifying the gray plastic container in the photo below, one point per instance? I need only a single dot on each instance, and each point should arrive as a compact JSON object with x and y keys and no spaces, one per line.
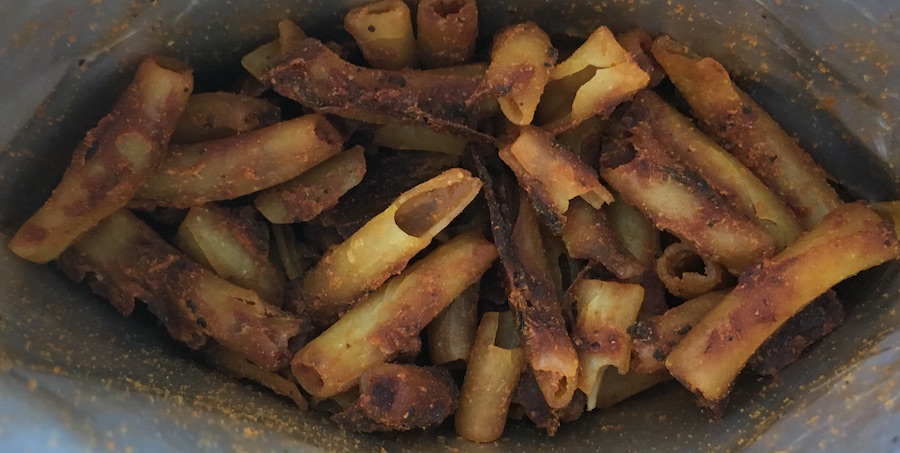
{"x":75,"y":376}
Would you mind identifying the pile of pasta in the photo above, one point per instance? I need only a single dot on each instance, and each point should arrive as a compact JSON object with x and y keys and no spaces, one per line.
{"x":398,"y":229}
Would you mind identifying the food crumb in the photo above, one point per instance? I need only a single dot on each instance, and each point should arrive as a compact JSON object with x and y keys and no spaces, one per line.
{"x":32,"y":385}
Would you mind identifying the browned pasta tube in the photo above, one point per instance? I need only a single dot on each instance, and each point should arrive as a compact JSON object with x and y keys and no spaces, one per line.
{"x":236,"y":365}
{"x":231,"y":167}
{"x":521,"y":60}
{"x":588,"y":236}
{"x":384,"y":245}
{"x":128,"y":261}
{"x":680,"y":201}
{"x":383,"y":30}
{"x":552,"y":175}
{"x":418,"y":137}
{"x":618,"y":387}
{"x":712,"y":354}
{"x":303,"y":198}
{"x":743,"y":128}
{"x":389,"y":320}
{"x":209,"y":116}
{"x":447,"y":31}
{"x":112,"y":162}
{"x":491,"y":376}
{"x":452,"y":333}
{"x":679,"y":268}
{"x":723,"y":171}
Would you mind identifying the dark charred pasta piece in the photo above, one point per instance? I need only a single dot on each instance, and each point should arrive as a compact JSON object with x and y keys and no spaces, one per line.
{"x":234,"y":364}
{"x":234,"y":245}
{"x":653,"y":338}
{"x":442,"y":99}
{"x":677,"y":199}
{"x":124,"y":260}
{"x":230,"y":167}
{"x":725,"y":173}
{"x":303,"y":198}
{"x":605,"y":311}
{"x":588,"y":236}
{"x":521,"y":60}
{"x":220,"y":114}
{"x":492,"y":373}
{"x":383,"y":246}
{"x":715,"y":351}
{"x":744,"y":129}
{"x":686,"y":274}
{"x":447,"y":30}
{"x":530,"y":399}
{"x":384,"y":32}
{"x":112,"y":162}
{"x":387,"y":323}
{"x":451,"y":334}
{"x":810,"y":325}
{"x":551,"y":175}
{"x":395,"y":397}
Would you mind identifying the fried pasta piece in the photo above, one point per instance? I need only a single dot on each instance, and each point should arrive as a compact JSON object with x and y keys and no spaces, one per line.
{"x":493,"y":371}
{"x":677,"y":199}
{"x":447,"y":30}
{"x":619,"y":387}
{"x":383,"y":246}
{"x":521,"y":60}
{"x":685,"y":273}
{"x":236,"y":365}
{"x":744,"y":129}
{"x":303,"y":198}
{"x":233,"y":245}
{"x":605,"y":311}
{"x":442,"y":99}
{"x":123,"y":259}
{"x":231,"y":167}
{"x":387,"y":323}
{"x":588,"y":236}
{"x":451,"y":334}
{"x":418,"y":137}
{"x":552,"y":175}
{"x":395,"y":397}
{"x":384,"y":32}
{"x":112,"y":162}
{"x":220,"y":114}
{"x":595,"y":79}
{"x":638,"y":43}
{"x":712,"y":354}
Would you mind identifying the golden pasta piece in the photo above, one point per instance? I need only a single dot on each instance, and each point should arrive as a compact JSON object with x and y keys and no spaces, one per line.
{"x":744,"y":129}
{"x":236,"y":365}
{"x":442,"y":99}
{"x":447,"y":30}
{"x":124,"y":260}
{"x":389,"y":320}
{"x":235,"y":247}
{"x":452,"y":333}
{"x":712,"y":354}
{"x":384,"y":245}
{"x":417,"y":137}
{"x":383,"y":30}
{"x":289,"y":36}
{"x":112,"y":162}
{"x":303,"y":198}
{"x":521,"y":60}
{"x":220,"y":114}
{"x":619,"y":387}
{"x":685,"y":273}
{"x":588,"y":236}
{"x":296,"y":257}
{"x":654,"y":338}
{"x":231,"y":167}
{"x":605,"y":311}
{"x":677,"y":199}
{"x":638,"y":43}
{"x":491,"y":377}
{"x":584,"y":140}
{"x":552,"y":175}
{"x":595,"y":79}
{"x":724,"y":172}
{"x":262,"y":58}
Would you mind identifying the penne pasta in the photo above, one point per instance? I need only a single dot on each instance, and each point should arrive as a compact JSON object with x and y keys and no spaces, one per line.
{"x":605,"y":311}
{"x":521,"y":60}
{"x":552,"y":175}
{"x":447,"y":30}
{"x":123,"y":259}
{"x":231,"y":167}
{"x":619,"y":387}
{"x":389,"y":320}
{"x":685,"y":273}
{"x":112,"y":162}
{"x":220,"y":114}
{"x":233,"y":245}
{"x":638,"y":43}
{"x":744,"y":129}
{"x":595,"y":79}
{"x":492,"y":374}
{"x":303,"y":198}
{"x":384,"y":32}
{"x":712,"y":354}
{"x":587,"y":235}
{"x":418,"y":137}
{"x":451,"y":334}
{"x":383,"y":246}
